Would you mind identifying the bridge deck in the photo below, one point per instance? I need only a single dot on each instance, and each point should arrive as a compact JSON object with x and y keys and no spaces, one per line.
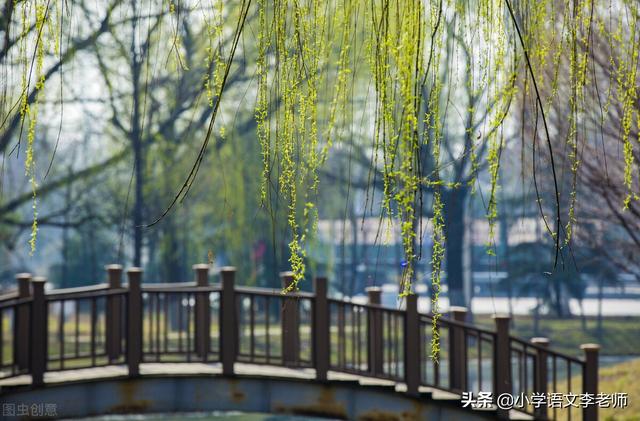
{"x":215,"y":369}
{"x":177,"y":369}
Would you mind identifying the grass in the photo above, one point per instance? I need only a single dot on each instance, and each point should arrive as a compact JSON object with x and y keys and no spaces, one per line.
{"x":621,"y":377}
{"x":621,"y":335}
{"x":618,"y":378}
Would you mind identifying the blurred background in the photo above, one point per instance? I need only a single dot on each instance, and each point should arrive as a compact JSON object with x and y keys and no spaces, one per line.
{"x":123,"y":117}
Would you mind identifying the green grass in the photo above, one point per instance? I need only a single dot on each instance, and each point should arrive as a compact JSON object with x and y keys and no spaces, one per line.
{"x":621,"y":335}
{"x":622,"y":377}
{"x":618,"y":378}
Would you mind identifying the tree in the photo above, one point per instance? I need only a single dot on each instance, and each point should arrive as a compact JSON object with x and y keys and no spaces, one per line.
{"x":467,"y":139}
{"x":18,"y":107}
{"x":593,"y":130}
{"x":423,"y":74}
{"x":160,"y":109}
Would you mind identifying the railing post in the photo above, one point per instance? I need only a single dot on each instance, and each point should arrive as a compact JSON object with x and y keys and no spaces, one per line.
{"x":228,"y":325}
{"x":541,"y":377}
{"x":502,"y":361}
{"x":590,"y":379}
{"x":38,"y":345}
{"x":21,"y":326}
{"x":457,"y":350}
{"x":113,"y":314}
{"x":374,"y":325}
{"x":290,"y":325}
{"x":202,"y":312}
{"x":134,"y":316}
{"x":321,"y":348}
{"x":412,"y":368}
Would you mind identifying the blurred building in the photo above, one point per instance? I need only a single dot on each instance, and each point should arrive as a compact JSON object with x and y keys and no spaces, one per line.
{"x":366,"y":252}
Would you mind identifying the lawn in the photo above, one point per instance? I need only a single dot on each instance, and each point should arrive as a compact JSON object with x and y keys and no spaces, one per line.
{"x":621,"y":377}
{"x":621,"y":334}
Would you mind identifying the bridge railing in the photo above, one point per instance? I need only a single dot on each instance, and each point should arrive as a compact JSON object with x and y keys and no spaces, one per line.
{"x":180,"y":321}
{"x":15,"y":308}
{"x":348,"y":336}
{"x":274,"y":328}
{"x":464,"y":360}
{"x":76,"y":327}
{"x":133,"y":323}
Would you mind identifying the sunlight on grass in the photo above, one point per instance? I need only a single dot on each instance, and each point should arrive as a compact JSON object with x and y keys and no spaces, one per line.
{"x":621,"y":378}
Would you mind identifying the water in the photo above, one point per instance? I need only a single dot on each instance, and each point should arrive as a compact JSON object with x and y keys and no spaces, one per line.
{"x":203,"y":416}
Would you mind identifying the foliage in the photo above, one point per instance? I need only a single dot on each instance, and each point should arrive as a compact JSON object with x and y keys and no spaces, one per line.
{"x":420,"y":56}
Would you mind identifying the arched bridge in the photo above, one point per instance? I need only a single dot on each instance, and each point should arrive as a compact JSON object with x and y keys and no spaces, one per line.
{"x":198,"y":346}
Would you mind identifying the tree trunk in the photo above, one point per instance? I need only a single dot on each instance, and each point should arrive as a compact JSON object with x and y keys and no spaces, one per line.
{"x":454,"y":208}
{"x":64,"y":280}
{"x":138,"y":148}
{"x":170,"y":256}
{"x":600,"y":297}
{"x":343,"y":258}
{"x":536,"y":317}
{"x":354,"y":251}
{"x":558,"y":297}
{"x":138,"y":204}
{"x":504,"y":255}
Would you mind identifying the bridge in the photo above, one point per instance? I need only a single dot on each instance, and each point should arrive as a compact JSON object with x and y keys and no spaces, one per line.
{"x":200,"y":346}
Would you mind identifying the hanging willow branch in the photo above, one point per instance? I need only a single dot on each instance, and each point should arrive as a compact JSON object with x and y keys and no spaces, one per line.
{"x":421,"y":58}
{"x":554,"y":234}
{"x":193,"y":173}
